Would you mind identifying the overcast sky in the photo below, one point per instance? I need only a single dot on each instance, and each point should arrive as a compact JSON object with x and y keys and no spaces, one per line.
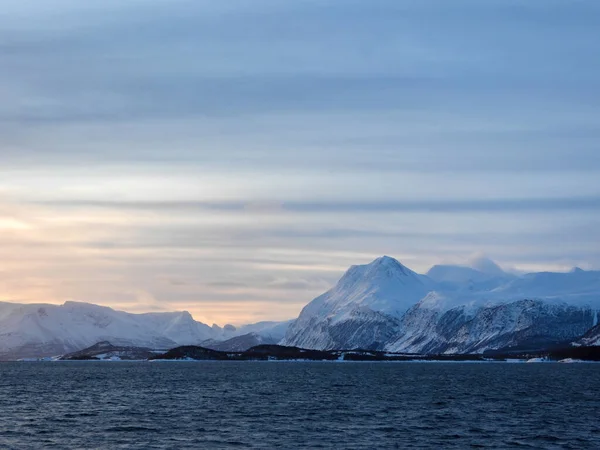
{"x":234,"y":158}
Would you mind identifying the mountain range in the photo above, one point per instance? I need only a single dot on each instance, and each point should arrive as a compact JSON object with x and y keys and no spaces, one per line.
{"x":452,"y":309}
{"x":39,"y":330}
{"x":382,"y":306}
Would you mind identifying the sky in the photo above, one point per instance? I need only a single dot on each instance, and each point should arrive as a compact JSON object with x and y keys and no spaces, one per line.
{"x":233,"y":158}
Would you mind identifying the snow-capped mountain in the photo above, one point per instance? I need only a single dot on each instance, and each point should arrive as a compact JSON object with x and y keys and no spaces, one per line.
{"x":362,"y":311}
{"x":457,"y":275}
{"x":576,"y":287}
{"x":38,"y":330}
{"x":487,"y":266}
{"x":465,"y":276}
{"x":249,"y":336}
{"x":382,"y":305}
{"x":453,"y":309}
{"x":271,"y":332}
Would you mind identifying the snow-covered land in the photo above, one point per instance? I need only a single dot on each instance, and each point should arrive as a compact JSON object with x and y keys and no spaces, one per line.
{"x":382,"y":305}
{"x":592,"y":337}
{"x":38,"y":330}
{"x":249,"y":336}
{"x":453,"y":309}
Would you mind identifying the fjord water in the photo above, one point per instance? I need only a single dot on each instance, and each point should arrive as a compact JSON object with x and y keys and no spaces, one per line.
{"x":298,"y":405}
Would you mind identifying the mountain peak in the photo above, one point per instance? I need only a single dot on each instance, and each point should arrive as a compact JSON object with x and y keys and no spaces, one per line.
{"x":384,"y":269}
{"x":387,"y":264}
{"x":485,"y":265}
{"x":72,"y":304}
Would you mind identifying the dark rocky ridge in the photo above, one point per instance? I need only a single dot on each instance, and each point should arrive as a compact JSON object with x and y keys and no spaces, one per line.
{"x":267,"y":352}
{"x":283,"y":353}
{"x":557,"y":353}
{"x":239,"y":343}
{"x":192,"y":352}
{"x":105,"y":350}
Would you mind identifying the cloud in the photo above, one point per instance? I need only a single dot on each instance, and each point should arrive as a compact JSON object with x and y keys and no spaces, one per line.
{"x":218,"y":156}
{"x":591,"y":203}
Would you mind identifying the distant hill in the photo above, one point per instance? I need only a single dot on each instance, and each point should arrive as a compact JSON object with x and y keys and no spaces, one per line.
{"x":106,"y":351}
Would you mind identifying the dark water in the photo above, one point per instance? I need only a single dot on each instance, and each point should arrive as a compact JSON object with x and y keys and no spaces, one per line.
{"x":298,"y":405}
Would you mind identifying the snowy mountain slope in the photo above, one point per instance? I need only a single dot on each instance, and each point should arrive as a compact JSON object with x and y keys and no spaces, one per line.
{"x":38,"y":330}
{"x":592,"y":336}
{"x":576,"y":287}
{"x":180,"y":327}
{"x":362,"y":310}
{"x":457,"y":274}
{"x":455,"y":309}
{"x":360,"y":329}
{"x":486,"y":266}
{"x":481,"y":276}
{"x":272,"y":331}
{"x":44,"y":330}
{"x":464,"y":330}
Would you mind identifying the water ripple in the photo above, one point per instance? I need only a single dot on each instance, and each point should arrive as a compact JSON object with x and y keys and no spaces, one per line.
{"x":298,"y":405}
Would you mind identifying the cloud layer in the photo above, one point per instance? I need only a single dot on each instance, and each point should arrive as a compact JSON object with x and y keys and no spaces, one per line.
{"x":232,"y":159}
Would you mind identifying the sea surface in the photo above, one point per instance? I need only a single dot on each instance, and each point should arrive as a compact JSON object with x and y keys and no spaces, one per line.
{"x":181,"y":405}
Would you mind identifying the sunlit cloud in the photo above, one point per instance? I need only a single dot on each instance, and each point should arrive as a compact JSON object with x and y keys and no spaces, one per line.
{"x":234,"y":158}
